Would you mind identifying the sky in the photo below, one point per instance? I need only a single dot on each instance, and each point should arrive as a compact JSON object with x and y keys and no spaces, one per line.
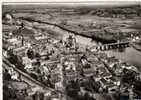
{"x":75,"y":3}
{"x":70,"y":4}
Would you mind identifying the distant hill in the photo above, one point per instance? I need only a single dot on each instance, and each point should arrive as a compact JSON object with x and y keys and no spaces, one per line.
{"x":77,"y":5}
{"x":107,"y":10}
{"x":134,"y":10}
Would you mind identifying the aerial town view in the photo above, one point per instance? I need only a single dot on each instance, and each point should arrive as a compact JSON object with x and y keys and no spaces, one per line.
{"x":71,"y":51}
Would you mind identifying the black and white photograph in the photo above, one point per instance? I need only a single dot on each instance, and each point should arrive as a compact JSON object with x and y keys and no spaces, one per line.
{"x":71,"y":50}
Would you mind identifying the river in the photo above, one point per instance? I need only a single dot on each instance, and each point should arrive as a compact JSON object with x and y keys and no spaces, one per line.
{"x":129,"y":55}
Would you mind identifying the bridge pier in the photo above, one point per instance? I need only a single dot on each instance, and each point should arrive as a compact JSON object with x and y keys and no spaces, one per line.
{"x":106,"y":47}
{"x":99,"y":48}
{"x":127,"y":45}
{"x":110,"y":47}
{"x":117,"y":46}
{"x":121,"y":46}
{"x":103,"y":48}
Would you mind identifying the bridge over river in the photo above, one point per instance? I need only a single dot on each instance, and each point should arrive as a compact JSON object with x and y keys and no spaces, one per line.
{"x":112,"y":46}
